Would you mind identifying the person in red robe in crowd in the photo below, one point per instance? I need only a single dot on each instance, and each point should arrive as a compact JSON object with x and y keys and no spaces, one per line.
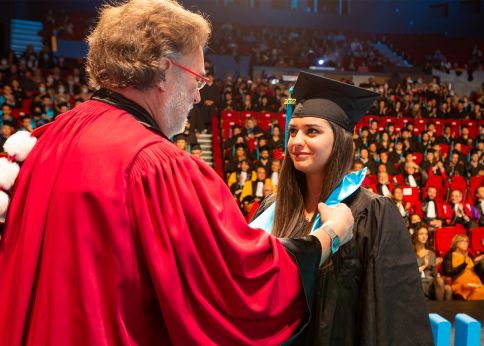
{"x":435,"y":213}
{"x":114,"y":236}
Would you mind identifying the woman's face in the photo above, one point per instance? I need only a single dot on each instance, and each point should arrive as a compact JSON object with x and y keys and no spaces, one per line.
{"x":310,"y":143}
{"x":463,"y":244}
{"x":415,"y":219}
{"x":423,"y":236}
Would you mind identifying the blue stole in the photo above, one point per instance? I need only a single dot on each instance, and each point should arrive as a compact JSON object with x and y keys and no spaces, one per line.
{"x":346,"y":188}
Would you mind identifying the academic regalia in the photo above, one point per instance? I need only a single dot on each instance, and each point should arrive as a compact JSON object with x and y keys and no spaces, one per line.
{"x":368,"y":292}
{"x":114,"y":236}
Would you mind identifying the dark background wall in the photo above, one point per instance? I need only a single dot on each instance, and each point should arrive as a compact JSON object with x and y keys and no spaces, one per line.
{"x":458,"y":18}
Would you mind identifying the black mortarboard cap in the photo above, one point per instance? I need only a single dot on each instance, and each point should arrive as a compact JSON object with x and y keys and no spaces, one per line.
{"x":340,"y":103}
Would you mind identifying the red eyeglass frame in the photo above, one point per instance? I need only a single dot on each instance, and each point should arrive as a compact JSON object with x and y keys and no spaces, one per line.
{"x":203,"y":78}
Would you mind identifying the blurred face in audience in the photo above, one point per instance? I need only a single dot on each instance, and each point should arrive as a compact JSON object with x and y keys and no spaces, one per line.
{"x":267,"y":190}
{"x":465,"y":131}
{"x":239,"y":151}
{"x":276,"y":131}
{"x":372,"y":148}
{"x":455,"y":158}
{"x":197,"y":153}
{"x":7,"y":131}
{"x":261,"y":173}
{"x":244,"y":166}
{"x":414,"y":219}
{"x":250,"y":124}
{"x":6,"y":110}
{"x":382,"y":169}
{"x":463,"y":244}
{"x":397,"y":194}
{"x":456,"y":197}
{"x":430,"y":156}
{"x":480,"y":193}
{"x":432,"y":193}
{"x":264,"y":154}
{"x":383,"y":178}
{"x":423,"y":235}
{"x":357,"y":166}
{"x":384,"y":156}
{"x":181,"y":144}
{"x":364,"y":153}
{"x":276,"y":166}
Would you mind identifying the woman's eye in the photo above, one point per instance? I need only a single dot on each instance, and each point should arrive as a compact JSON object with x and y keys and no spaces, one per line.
{"x":312,"y":131}
{"x":292,"y":132}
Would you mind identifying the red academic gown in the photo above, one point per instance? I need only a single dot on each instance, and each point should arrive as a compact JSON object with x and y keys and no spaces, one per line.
{"x":116,"y":237}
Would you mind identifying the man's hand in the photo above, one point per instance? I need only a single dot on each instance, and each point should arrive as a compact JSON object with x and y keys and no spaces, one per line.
{"x":339,"y":218}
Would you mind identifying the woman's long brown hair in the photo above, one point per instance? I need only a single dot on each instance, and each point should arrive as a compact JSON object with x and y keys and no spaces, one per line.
{"x":289,"y":220}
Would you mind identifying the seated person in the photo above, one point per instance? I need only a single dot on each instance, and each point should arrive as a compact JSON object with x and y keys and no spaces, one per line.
{"x":480,"y":205}
{"x":256,"y":188}
{"x":412,"y":175}
{"x":463,"y":213}
{"x":384,"y":187}
{"x":460,"y":267}
{"x":405,"y":208}
{"x":455,"y":166}
{"x":434,"y":212}
{"x":432,"y":283}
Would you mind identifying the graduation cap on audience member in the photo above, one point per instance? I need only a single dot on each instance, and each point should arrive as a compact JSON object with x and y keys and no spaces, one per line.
{"x":340,"y":103}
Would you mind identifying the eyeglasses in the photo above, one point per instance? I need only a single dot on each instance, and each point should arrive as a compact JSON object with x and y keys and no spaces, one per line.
{"x":201,"y":80}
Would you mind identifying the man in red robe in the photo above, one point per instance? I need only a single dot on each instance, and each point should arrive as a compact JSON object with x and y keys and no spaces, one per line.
{"x":115,"y":236}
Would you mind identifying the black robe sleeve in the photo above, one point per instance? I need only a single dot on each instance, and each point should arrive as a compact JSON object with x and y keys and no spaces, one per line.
{"x":392,"y":309}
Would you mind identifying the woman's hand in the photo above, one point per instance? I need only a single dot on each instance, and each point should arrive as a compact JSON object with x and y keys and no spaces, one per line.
{"x":438,"y":261}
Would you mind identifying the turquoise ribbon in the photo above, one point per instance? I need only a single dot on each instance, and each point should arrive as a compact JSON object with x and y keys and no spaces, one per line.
{"x":346,"y":188}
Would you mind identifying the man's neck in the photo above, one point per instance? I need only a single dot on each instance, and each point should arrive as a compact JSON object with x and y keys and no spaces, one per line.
{"x":146,"y":99}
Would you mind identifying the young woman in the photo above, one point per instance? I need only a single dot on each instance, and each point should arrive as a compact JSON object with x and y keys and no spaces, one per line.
{"x":368,"y":292}
{"x":460,"y":266}
{"x":432,"y":283}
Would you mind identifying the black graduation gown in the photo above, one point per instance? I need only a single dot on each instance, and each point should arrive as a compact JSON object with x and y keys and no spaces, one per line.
{"x":369,"y":292}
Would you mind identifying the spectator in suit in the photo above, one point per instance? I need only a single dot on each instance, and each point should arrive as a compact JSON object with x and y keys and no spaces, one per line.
{"x":480,"y":205}
{"x":405,"y":208}
{"x":367,"y":161}
{"x":384,"y":187}
{"x":463,"y":213}
{"x":413,"y":176}
{"x":455,"y":165}
{"x":474,"y":167}
{"x":435,"y":213}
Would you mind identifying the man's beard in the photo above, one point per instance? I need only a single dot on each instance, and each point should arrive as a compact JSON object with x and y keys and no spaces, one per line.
{"x":176,"y":111}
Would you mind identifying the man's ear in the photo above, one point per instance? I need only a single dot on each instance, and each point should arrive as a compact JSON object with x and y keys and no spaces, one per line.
{"x":165,"y":65}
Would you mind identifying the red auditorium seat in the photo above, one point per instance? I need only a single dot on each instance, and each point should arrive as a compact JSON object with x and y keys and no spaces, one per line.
{"x":229,"y":116}
{"x":455,"y":126}
{"x":367,"y":118}
{"x":473,"y":127}
{"x":474,"y":184}
{"x":418,"y":157}
{"x":265,"y":120}
{"x":418,"y":129}
{"x":443,"y":238}
{"x":387,"y":119}
{"x":412,"y":195}
{"x":444,"y":149}
{"x":476,"y":236}
{"x":281,"y":119}
{"x":458,"y":183}
{"x":439,"y":183}
{"x":245,"y":114}
{"x":465,"y":149}
{"x":421,"y":121}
